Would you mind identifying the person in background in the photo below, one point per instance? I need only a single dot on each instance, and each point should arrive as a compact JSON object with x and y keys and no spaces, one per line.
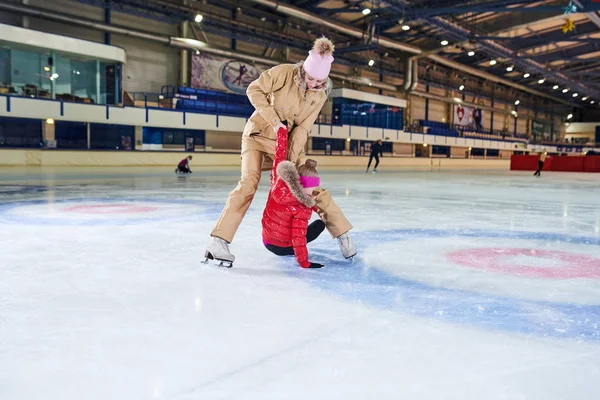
{"x":543,"y":156}
{"x":376,"y":151}
{"x":184,"y":166}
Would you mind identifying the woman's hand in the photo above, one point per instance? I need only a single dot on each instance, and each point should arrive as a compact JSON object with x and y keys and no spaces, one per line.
{"x":279,"y":126}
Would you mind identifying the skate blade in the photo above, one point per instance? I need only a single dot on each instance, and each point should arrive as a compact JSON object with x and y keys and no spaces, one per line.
{"x":222,"y":263}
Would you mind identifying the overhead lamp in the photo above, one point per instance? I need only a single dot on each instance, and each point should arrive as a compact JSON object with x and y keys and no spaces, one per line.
{"x":424,"y":144}
{"x":198,"y":18}
{"x":50,"y":121}
{"x":444,"y":42}
{"x":371,"y":63}
{"x":348,"y":139}
{"x":47,"y":68}
{"x":471,"y":53}
{"x":366,"y":11}
{"x":527,"y":75}
{"x":493,"y":62}
{"x":456,"y":99}
{"x":584,"y":98}
{"x":555,"y":87}
{"x":565,"y":90}
{"x":510,"y":68}
{"x":569,"y":116}
{"x":592,"y":102}
{"x":461,"y":87}
{"x":541,"y":81}
{"x":575,"y":94}
{"x":517,"y":102}
{"x":405,"y":28}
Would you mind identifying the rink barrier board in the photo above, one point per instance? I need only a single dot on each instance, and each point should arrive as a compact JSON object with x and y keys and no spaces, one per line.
{"x":556,"y":163}
{"x":92,"y":158}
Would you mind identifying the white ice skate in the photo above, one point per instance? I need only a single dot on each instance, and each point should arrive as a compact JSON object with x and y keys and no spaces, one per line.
{"x":218,"y":250}
{"x":346,"y":245}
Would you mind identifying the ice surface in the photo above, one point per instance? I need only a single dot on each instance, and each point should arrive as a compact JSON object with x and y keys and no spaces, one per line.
{"x":467,"y":285}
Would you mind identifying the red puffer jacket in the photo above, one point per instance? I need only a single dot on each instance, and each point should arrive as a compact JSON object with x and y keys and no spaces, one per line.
{"x":288,"y":209}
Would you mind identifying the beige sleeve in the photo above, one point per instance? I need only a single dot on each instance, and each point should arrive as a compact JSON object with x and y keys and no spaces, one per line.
{"x":299,"y":134}
{"x":268,"y":82}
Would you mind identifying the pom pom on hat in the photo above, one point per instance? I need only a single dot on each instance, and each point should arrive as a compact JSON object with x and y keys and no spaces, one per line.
{"x":318,"y":62}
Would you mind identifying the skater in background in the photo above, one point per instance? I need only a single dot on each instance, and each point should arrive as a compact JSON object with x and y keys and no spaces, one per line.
{"x":285,"y":228}
{"x":184,"y":166}
{"x":543,"y":156}
{"x":376,"y":151}
{"x":288,"y":92}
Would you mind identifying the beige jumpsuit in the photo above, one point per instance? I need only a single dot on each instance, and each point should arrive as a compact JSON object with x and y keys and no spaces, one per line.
{"x":277,"y":95}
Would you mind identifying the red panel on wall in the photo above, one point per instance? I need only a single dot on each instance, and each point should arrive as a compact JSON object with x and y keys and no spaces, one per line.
{"x":591,"y":163}
{"x":556,"y":163}
{"x":567,"y":164}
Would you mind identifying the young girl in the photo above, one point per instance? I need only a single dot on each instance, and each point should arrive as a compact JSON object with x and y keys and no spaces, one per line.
{"x":290,"y":206}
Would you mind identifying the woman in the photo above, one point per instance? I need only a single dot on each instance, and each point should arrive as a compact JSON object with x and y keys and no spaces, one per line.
{"x":287,"y":96}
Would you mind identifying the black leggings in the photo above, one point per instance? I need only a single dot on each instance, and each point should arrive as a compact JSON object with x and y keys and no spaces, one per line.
{"x":185,"y":170}
{"x":313,"y":232}
{"x":540,"y":166}
{"x":376,"y":156}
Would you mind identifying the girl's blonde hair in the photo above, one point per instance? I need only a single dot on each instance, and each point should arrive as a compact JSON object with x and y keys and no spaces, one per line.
{"x":309,"y":168}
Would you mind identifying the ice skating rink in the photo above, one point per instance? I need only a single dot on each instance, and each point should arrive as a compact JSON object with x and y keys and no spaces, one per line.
{"x":467,"y":285}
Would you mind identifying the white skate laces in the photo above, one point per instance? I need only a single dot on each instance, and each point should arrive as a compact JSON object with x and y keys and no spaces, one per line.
{"x":346,"y":245}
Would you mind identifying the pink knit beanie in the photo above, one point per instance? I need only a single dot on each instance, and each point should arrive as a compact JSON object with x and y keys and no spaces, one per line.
{"x":318,"y":62}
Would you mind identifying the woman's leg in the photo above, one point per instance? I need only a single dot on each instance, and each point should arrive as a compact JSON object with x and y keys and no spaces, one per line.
{"x":241,"y":197}
{"x":334,"y":219}
{"x":376,"y":161}
{"x":370,"y":160}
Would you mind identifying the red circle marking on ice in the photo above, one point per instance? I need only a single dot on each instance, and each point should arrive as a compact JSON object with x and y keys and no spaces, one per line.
{"x":494,"y":259}
{"x":110,"y":209}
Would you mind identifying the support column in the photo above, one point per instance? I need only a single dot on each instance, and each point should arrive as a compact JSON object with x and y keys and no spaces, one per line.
{"x":107,"y":18}
{"x":98,"y":82}
{"x":427,"y":102}
{"x":25,"y":19}
{"x":184,"y":57}
{"x":52,"y":72}
{"x":89,"y":135}
{"x":48,"y":131}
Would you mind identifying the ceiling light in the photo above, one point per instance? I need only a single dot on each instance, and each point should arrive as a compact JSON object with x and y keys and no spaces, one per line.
{"x":541,"y":81}
{"x":47,"y":68}
{"x":348,"y":139}
{"x":517,"y":102}
{"x":493,"y":62}
{"x":444,"y":42}
{"x":50,"y":121}
{"x":456,"y":99}
{"x":366,"y":11}
{"x":592,"y":102}
{"x":371,"y":63}
{"x":263,"y":19}
{"x":569,"y":116}
{"x":555,"y":87}
{"x":575,"y":94}
{"x":584,"y":98}
{"x":527,"y":75}
{"x":405,"y":27}
{"x":471,"y":53}
{"x":509,"y":69}
{"x":565,"y":90}
{"x":198,"y":18}
{"x":461,"y":87}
